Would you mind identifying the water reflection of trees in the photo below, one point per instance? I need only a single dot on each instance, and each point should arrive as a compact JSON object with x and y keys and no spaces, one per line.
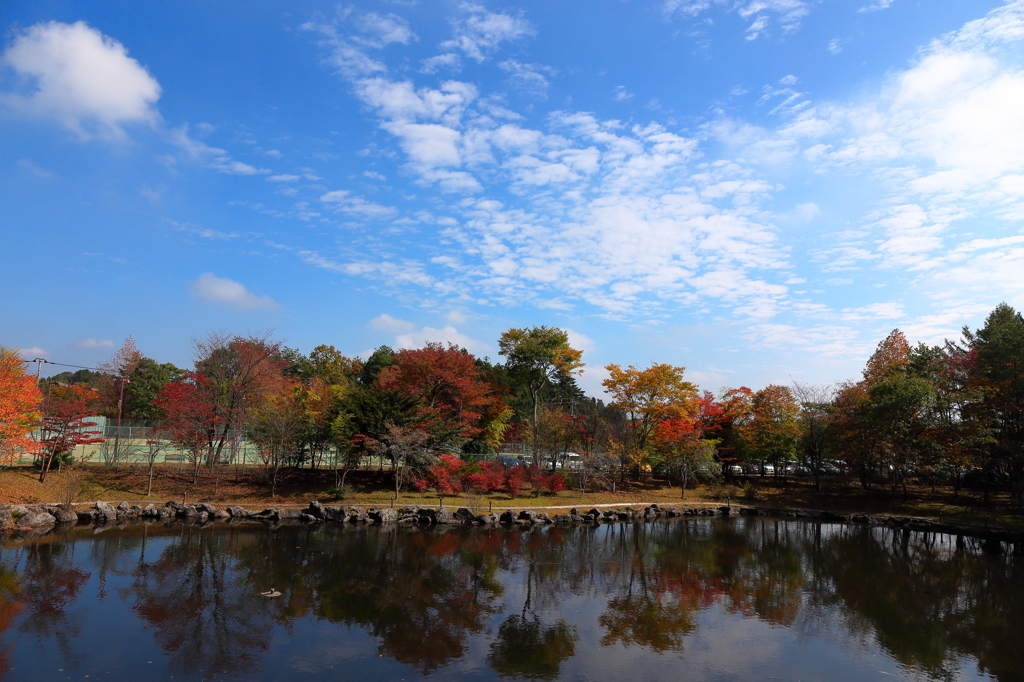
{"x":38,"y":594}
{"x":198,"y":606}
{"x":425,"y":595}
{"x":10,"y":606}
{"x":925,"y":601}
{"x":422,"y":594}
{"x":527,"y":648}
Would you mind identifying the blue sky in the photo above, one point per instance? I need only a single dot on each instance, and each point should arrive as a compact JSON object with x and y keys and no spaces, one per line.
{"x":759,"y":190}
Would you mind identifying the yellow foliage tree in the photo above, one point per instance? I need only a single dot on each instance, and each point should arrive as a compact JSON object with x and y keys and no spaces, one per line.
{"x":647,"y":397}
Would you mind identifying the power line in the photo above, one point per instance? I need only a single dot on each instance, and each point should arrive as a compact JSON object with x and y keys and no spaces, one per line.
{"x":61,"y":364}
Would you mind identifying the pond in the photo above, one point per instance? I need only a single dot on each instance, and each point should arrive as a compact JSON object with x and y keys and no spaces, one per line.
{"x":695,"y":599}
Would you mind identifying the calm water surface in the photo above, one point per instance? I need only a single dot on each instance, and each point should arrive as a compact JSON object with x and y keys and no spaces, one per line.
{"x":741,"y":599}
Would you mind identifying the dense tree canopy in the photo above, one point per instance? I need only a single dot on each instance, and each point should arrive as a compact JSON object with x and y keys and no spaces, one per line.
{"x":19,"y":405}
{"x":947,"y":413}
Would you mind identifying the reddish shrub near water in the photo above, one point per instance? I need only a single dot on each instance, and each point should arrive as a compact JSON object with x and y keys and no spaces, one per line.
{"x":555,"y":483}
{"x":514,"y":479}
{"x":445,"y":475}
{"x":488,"y":477}
{"x":451,"y":475}
{"x":495,"y":474}
{"x":545,"y":481}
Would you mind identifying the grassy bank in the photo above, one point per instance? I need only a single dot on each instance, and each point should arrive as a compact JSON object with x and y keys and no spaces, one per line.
{"x":21,"y":485}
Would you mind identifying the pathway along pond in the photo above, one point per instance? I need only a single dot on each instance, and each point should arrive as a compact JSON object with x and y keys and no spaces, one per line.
{"x":695,"y":599}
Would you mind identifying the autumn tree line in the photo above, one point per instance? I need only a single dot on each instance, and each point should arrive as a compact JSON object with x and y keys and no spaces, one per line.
{"x":435,"y":417}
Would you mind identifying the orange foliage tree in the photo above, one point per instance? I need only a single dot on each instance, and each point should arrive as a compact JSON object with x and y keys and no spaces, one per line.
{"x":648,"y":397}
{"x":19,"y":407}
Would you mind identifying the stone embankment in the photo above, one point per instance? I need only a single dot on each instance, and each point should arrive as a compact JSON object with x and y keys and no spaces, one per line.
{"x":41,"y":518}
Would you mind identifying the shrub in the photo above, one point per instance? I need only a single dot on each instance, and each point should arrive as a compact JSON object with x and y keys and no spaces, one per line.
{"x":749,"y":491}
{"x":445,"y":476}
{"x":555,"y":483}
{"x":514,"y":479}
{"x":339,"y":493}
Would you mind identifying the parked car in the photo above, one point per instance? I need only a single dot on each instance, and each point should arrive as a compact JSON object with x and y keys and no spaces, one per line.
{"x":507,"y":461}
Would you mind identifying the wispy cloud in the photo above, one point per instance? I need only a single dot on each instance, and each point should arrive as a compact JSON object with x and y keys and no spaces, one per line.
{"x":212,"y":157}
{"x":760,"y":13}
{"x":620,"y":94}
{"x":94,"y":344}
{"x":879,"y":5}
{"x":212,"y":289}
{"x":479,"y":32}
{"x":528,"y":78}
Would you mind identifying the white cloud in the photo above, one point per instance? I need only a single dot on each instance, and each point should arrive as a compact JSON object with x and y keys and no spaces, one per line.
{"x":879,"y":5}
{"x":946,"y":138}
{"x":204,"y":232}
{"x":347,"y":55}
{"x":630,"y":219}
{"x":619,"y":94}
{"x":807,"y":212}
{"x":875,"y":311}
{"x":527,"y":78}
{"x":455,"y":317}
{"x":580,"y":341}
{"x":481,"y":32}
{"x":33,"y":352}
{"x":93,"y":344}
{"x":428,"y":145}
{"x":38,"y":171}
{"x":349,"y":203}
{"x":84,"y":80}
{"x":445,"y":335}
{"x":286,"y":177}
{"x":212,"y":157}
{"x":213,"y":289}
{"x":380,"y":30}
{"x":449,"y":60}
{"x":788,"y":13}
{"x":393,"y":325}
{"x":649,"y":230}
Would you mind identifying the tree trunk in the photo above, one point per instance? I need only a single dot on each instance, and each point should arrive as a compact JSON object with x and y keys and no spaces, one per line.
{"x":45,"y":467}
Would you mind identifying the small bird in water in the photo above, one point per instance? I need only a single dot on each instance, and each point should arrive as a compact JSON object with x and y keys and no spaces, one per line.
{"x":270,"y":593}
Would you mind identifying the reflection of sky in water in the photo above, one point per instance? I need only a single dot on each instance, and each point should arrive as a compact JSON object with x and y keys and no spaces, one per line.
{"x":186,"y":607}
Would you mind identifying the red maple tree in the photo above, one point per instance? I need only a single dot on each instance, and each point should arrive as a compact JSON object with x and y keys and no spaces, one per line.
{"x":66,"y":423}
{"x":453,"y":397}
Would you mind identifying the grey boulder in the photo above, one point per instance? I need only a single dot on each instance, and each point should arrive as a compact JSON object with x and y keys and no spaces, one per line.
{"x":34,"y":518}
{"x":106,"y":512}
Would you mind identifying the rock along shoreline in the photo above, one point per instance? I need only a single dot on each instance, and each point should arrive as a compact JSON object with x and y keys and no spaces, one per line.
{"x":36,"y":520}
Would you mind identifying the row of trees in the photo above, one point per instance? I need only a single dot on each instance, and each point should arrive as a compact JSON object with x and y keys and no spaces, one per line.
{"x":944,"y":412}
